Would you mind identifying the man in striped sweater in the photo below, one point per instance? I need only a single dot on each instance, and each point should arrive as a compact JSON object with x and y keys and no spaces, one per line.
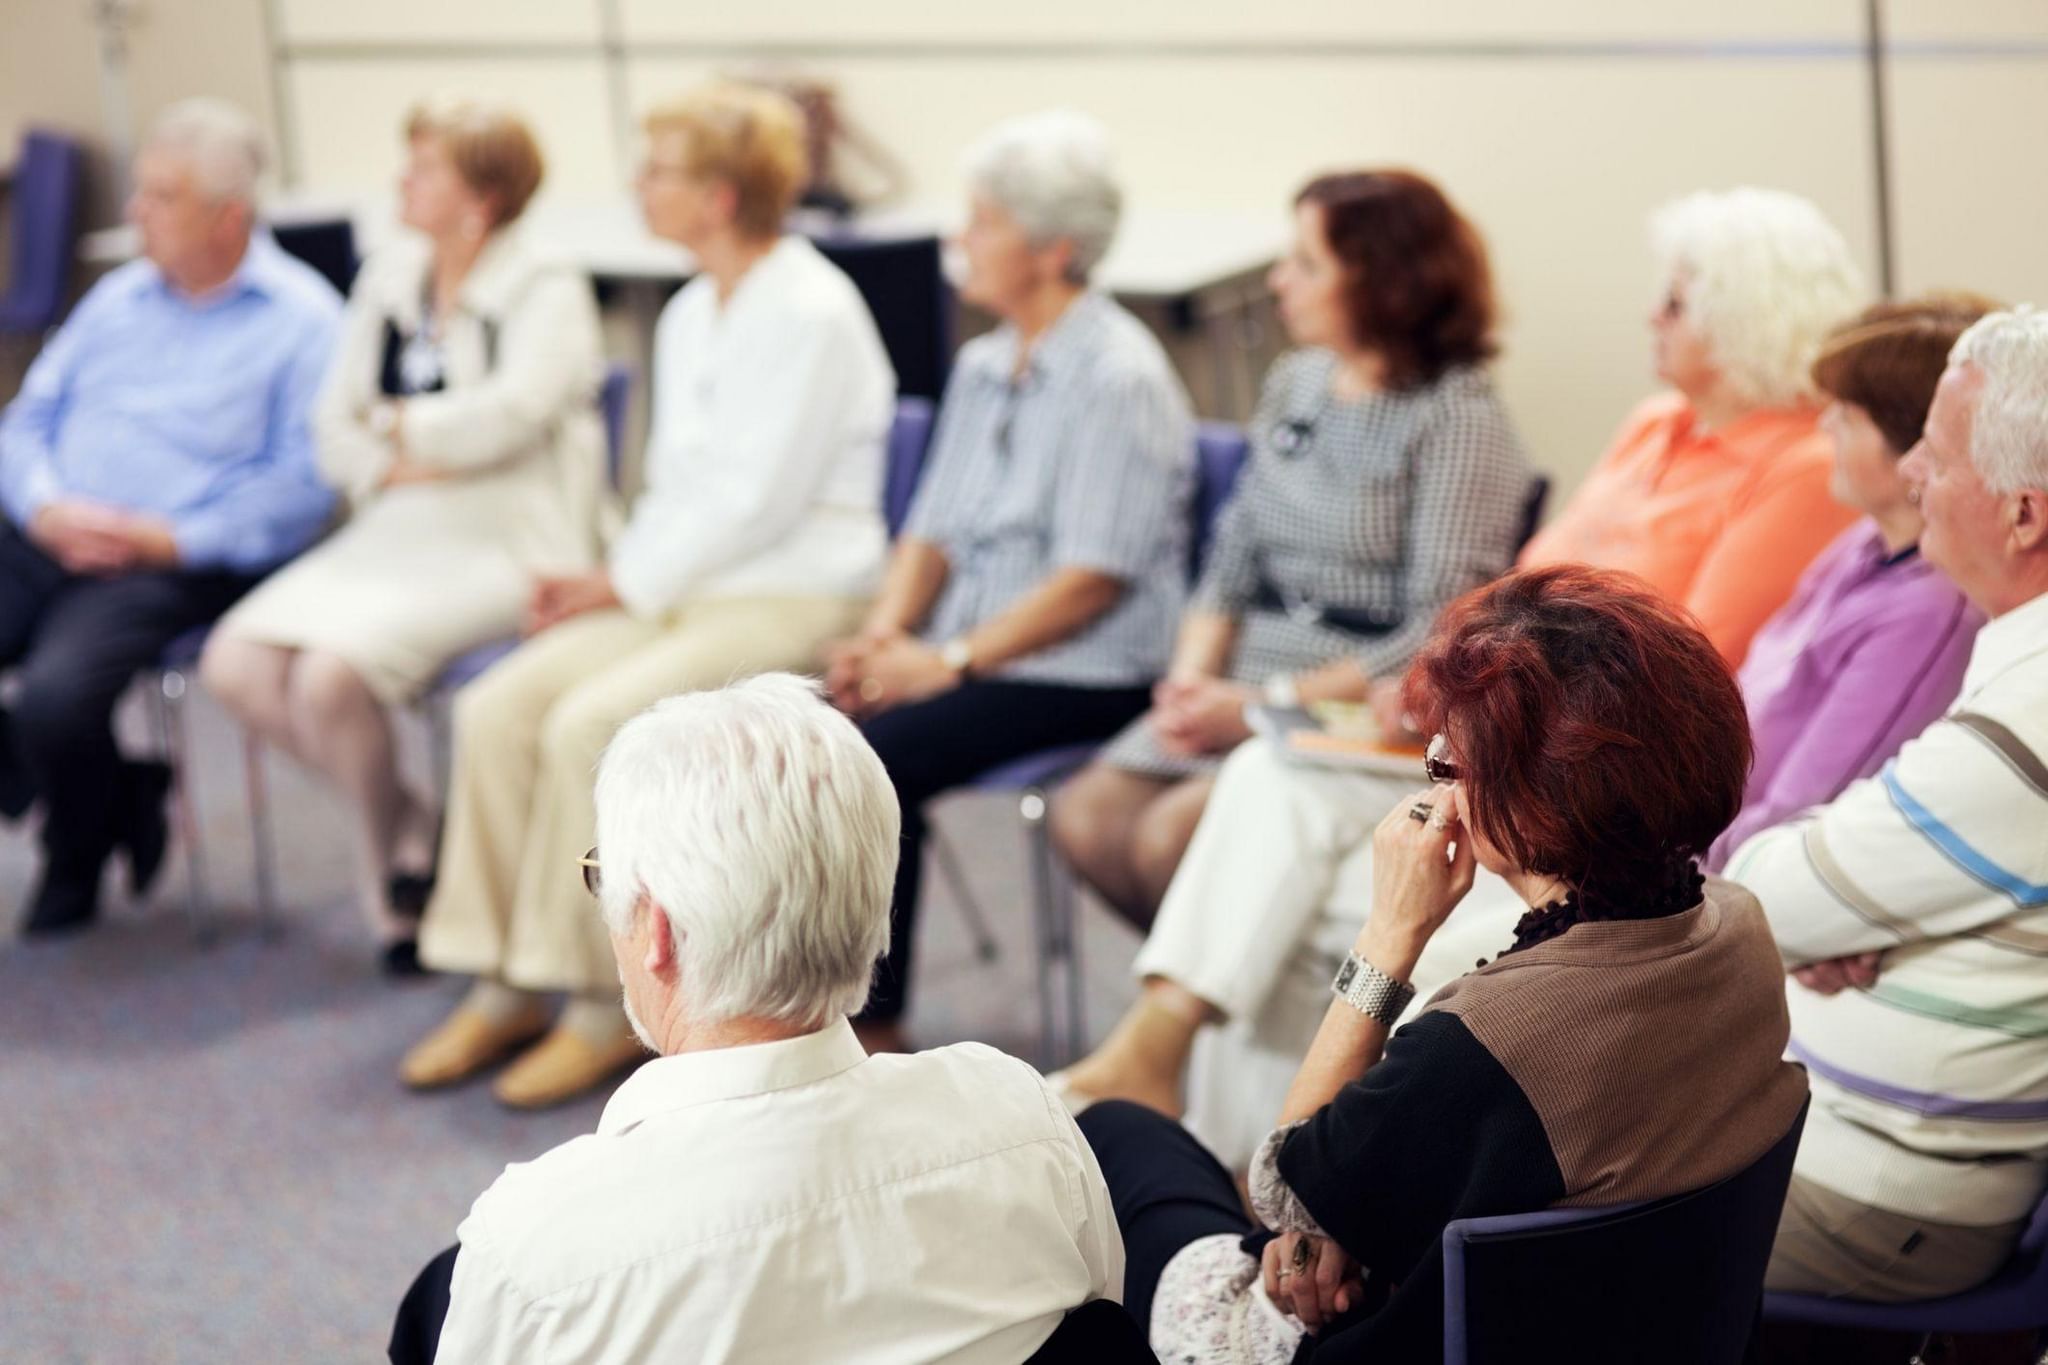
{"x":1913,"y":909}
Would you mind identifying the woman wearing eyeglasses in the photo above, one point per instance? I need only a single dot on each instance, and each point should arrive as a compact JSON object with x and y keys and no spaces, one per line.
{"x":1385,"y":479}
{"x":1630,"y":1000}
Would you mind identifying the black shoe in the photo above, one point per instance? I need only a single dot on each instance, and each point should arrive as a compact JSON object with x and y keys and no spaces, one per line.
{"x":408,"y":893}
{"x":401,"y":958}
{"x":62,"y":905}
{"x":143,"y":833}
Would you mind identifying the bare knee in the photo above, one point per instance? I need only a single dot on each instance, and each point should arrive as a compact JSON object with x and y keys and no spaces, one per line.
{"x":1090,"y":814}
{"x":248,"y":678}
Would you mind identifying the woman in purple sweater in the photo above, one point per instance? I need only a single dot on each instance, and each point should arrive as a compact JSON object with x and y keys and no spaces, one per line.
{"x":1872,"y":645}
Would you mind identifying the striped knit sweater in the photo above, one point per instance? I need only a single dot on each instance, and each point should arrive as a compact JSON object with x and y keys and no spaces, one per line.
{"x":1930,"y":1088}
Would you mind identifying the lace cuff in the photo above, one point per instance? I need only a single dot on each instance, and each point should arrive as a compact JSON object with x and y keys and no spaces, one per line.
{"x":1277,"y":1206}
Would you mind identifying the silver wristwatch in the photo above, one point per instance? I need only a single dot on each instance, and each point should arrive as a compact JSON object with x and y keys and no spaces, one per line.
{"x":1281,"y":693}
{"x":1371,"y":991}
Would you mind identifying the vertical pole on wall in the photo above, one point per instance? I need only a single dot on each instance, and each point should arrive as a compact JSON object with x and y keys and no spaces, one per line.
{"x":281,"y":97}
{"x":113,"y":18}
{"x":613,"y":44}
{"x":1880,"y":138}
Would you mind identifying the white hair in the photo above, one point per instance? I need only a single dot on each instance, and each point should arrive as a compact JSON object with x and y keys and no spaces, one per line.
{"x":222,"y":145}
{"x":1055,"y":174}
{"x":760,"y":821}
{"x":1767,"y":277}
{"x":2009,"y":430}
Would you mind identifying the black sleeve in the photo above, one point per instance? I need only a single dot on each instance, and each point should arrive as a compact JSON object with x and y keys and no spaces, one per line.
{"x":1436,"y":1131}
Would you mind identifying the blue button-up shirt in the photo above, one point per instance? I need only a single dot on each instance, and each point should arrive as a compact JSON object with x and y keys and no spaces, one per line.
{"x":195,"y":410}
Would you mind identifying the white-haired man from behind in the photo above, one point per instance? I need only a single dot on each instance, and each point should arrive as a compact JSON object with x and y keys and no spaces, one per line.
{"x":764,"y":1189}
{"x":1913,"y":908}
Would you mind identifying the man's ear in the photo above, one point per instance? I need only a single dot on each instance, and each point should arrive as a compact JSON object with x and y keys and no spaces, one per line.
{"x":661,"y":942}
{"x":2027,"y":517}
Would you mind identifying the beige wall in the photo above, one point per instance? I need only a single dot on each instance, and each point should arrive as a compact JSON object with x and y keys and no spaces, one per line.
{"x":1557,"y":126}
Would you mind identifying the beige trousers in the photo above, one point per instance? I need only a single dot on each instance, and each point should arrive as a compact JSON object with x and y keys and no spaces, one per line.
{"x":509,"y":901}
{"x":1830,"y":1244}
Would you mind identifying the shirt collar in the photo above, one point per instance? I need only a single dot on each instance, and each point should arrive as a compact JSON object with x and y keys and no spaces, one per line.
{"x":259,"y":272}
{"x":2004,"y":641}
{"x":1066,"y":343}
{"x":689,"y":1079}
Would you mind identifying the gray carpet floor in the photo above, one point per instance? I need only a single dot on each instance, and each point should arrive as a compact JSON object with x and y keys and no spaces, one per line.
{"x":204,"y":1152}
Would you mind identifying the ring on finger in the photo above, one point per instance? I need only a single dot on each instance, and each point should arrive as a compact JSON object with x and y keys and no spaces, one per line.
{"x":1421,"y":812}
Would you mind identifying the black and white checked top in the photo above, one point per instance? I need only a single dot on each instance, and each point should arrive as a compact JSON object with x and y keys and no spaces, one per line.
{"x":1391,"y":505}
{"x":1086,"y":462}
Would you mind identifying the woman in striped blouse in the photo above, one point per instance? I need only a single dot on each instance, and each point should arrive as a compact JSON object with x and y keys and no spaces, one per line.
{"x":1386,"y":478}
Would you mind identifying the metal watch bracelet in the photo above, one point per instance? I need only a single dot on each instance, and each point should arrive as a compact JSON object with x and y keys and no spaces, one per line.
{"x":1371,"y":991}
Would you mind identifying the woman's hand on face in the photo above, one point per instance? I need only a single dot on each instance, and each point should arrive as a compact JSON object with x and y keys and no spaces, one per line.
{"x":1325,"y":1286}
{"x":1421,"y":869}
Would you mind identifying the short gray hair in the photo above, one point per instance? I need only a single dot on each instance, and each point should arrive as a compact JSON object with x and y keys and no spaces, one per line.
{"x":1055,"y":174}
{"x":2009,"y":431}
{"x":1768,"y":277}
{"x":222,"y":144}
{"x":760,"y":821}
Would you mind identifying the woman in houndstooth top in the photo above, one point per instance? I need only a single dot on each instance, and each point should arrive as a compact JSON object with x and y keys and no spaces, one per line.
{"x":1385,"y":480}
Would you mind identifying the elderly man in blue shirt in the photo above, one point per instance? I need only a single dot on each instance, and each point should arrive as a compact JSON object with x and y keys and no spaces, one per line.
{"x":156,"y":462}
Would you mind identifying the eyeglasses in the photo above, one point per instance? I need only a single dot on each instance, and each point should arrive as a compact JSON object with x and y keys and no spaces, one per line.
{"x":593,"y":876}
{"x":1436,"y":765}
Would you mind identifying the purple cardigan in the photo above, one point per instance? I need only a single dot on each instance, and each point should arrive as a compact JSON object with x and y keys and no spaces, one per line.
{"x":1869,"y":651}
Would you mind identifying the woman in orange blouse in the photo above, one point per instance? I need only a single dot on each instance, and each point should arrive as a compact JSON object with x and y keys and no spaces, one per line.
{"x":1717,"y":493}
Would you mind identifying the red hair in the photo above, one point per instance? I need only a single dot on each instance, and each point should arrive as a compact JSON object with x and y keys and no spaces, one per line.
{"x":1419,"y":290}
{"x":1601,"y":735}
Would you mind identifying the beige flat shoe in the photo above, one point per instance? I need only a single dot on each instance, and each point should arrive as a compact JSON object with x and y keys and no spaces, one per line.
{"x":466,"y":1042}
{"x":562,"y":1066}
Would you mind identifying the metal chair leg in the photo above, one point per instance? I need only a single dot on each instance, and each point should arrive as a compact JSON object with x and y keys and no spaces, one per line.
{"x":171,"y":712}
{"x":1059,"y":954}
{"x":985,"y":946}
{"x":263,"y":851}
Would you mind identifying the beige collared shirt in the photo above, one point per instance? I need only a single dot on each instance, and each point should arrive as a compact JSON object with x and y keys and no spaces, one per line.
{"x":794,"y":1201}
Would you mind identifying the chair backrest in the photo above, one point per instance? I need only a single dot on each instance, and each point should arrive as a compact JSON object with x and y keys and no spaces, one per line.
{"x":612,"y":398}
{"x":1220,"y":452}
{"x":911,"y":302}
{"x":328,"y":245}
{"x":44,"y":227}
{"x":1676,"y":1280}
{"x":910,"y":440}
{"x":1099,"y":1332}
{"x":1532,"y":509}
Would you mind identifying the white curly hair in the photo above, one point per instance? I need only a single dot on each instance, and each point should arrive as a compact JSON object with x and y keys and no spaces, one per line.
{"x":1766,"y":277}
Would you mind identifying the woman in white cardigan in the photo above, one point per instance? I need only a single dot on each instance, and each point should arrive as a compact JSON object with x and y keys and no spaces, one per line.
{"x":459,"y":420}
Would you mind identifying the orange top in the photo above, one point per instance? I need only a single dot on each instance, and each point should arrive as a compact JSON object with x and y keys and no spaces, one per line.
{"x":1721,"y":522}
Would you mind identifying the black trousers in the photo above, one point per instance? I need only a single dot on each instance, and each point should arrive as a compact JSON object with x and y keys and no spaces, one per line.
{"x":416,"y":1328}
{"x":1166,"y":1189}
{"x":932,"y":746}
{"x":75,"y":642}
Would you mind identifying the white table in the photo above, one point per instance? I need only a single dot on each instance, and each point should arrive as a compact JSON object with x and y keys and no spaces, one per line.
{"x":1158,"y":254}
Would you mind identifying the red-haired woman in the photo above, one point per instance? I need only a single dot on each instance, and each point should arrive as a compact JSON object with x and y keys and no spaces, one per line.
{"x":1591,"y":790}
{"x":1385,"y":479}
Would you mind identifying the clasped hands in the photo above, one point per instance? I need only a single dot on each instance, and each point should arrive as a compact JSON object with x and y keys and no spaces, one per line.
{"x":1195,"y":714}
{"x":881,"y":668}
{"x":555,"y":600}
{"x":95,"y":539}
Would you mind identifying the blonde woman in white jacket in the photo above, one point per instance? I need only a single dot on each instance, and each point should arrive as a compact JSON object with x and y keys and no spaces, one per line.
{"x":459,"y":420}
